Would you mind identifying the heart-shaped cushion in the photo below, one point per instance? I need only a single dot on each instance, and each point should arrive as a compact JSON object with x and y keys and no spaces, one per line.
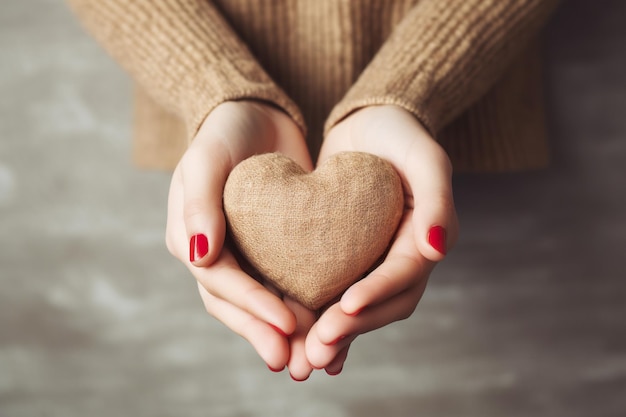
{"x":313,"y":234}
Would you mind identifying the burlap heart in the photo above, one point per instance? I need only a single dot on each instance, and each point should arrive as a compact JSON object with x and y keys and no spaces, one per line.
{"x":313,"y":234}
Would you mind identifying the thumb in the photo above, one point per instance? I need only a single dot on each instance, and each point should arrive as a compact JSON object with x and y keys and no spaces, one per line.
{"x":204,"y":173}
{"x":434,"y":216}
{"x":435,"y":224}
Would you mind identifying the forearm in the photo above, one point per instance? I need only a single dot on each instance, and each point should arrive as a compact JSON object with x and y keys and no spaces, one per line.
{"x":182,"y":52}
{"x":444,"y":55}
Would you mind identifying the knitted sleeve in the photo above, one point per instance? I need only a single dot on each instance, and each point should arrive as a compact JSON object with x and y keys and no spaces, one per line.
{"x":443,"y":56}
{"x":183,"y":53}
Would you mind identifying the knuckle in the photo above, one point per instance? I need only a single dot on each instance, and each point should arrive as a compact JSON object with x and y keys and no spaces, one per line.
{"x":447,"y":205}
{"x":194,"y":208}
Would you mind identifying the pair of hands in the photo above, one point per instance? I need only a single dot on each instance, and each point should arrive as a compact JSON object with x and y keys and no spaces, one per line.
{"x":283,"y":332}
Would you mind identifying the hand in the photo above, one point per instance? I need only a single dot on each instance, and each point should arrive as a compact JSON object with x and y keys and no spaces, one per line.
{"x":196,"y":230}
{"x":427,"y":231}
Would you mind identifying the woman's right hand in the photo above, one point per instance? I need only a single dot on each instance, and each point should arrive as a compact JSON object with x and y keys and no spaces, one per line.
{"x":196,"y":229}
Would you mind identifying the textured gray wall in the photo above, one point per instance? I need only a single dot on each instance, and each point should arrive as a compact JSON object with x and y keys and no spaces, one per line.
{"x":526,"y":317}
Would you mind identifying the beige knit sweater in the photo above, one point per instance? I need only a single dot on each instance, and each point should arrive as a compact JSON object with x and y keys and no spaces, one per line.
{"x":467,"y":69}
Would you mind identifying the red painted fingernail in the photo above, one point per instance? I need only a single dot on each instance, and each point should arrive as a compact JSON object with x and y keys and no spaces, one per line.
{"x":198,"y":247}
{"x":275,"y":369}
{"x":437,"y":239}
{"x":334,"y":373}
{"x":278,"y":330}
{"x":337,"y":340}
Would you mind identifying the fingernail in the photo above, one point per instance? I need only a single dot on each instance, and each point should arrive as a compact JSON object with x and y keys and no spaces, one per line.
{"x":198,"y":247}
{"x":437,"y":239}
{"x":298,"y":380}
{"x":356,"y":313}
{"x":278,"y":330}
{"x":334,"y":373}
{"x":275,"y":369}
{"x":337,"y":340}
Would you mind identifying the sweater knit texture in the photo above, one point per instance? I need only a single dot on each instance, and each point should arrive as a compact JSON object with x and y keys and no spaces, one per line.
{"x":469,"y":70}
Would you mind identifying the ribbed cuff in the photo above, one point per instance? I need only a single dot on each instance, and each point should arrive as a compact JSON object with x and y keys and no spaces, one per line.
{"x":183,"y":53}
{"x":443,"y":56}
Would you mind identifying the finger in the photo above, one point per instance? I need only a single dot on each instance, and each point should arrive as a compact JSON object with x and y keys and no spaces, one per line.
{"x":270,"y":345}
{"x":225,"y":280}
{"x":204,"y":169}
{"x":395,"y":309}
{"x":335,"y":330}
{"x":196,"y":224}
{"x":299,"y":367}
{"x":394,"y":276}
{"x":430,"y":182}
{"x":402,"y":268}
{"x":215,"y":152}
{"x":336,"y":365}
{"x":321,"y":355}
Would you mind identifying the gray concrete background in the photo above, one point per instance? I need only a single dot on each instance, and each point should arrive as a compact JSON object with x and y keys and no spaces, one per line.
{"x":526,"y":317}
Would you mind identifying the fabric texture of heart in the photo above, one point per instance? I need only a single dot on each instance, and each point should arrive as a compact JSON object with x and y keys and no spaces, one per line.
{"x":313,"y":234}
